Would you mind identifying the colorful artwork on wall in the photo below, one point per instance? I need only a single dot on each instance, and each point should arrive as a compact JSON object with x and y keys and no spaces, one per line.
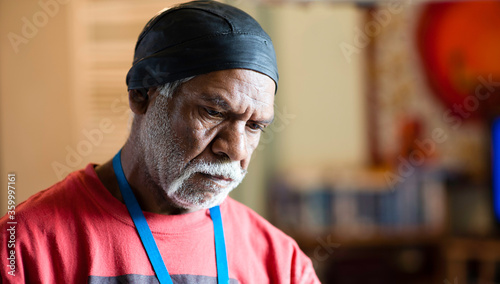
{"x":459,"y":43}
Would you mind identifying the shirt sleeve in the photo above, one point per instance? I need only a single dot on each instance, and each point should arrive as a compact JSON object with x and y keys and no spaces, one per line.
{"x":302,"y":269}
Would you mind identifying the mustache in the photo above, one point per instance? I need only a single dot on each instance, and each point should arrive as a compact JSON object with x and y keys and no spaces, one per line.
{"x":230,"y":170}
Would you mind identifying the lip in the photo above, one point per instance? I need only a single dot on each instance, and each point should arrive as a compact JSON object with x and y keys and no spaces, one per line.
{"x":218,"y":178}
{"x":221,"y":178}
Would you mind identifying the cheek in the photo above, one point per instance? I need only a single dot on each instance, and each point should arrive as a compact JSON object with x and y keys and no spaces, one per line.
{"x":192,"y":140}
{"x":185,"y":128}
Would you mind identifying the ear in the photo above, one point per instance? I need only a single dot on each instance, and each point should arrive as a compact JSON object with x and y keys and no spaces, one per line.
{"x":139,"y":99}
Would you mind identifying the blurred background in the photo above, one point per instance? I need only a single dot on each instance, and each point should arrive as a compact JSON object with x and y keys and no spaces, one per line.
{"x":380,"y":163}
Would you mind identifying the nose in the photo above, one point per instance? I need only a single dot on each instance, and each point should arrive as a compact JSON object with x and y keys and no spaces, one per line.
{"x":231,"y":141}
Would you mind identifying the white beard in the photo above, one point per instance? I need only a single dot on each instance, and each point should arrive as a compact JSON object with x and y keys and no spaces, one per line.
{"x":209,"y":193}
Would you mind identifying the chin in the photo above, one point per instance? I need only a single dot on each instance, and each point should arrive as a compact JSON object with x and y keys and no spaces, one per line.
{"x":196,"y":203}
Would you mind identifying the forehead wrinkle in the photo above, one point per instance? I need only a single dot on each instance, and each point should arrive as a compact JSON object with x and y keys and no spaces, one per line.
{"x":256,"y":90}
{"x":225,"y":102}
{"x":256,"y":100}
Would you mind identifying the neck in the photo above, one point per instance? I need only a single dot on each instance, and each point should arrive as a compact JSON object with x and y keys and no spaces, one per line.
{"x":149,"y":194}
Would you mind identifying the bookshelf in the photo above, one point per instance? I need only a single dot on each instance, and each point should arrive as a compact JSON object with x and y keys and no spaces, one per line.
{"x":350,"y":217}
{"x":359,"y":204}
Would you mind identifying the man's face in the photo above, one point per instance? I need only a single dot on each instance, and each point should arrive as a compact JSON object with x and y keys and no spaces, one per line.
{"x":198,"y":144}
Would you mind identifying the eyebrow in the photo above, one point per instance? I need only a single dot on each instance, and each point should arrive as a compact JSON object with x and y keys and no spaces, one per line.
{"x":267,"y":121}
{"x":223,"y":104}
{"x":218,"y":101}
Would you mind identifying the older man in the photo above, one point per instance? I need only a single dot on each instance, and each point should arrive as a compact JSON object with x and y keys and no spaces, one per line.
{"x":202,"y":89}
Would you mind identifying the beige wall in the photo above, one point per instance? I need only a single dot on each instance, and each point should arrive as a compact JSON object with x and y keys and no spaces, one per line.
{"x":321,"y":91}
{"x":35,"y":108}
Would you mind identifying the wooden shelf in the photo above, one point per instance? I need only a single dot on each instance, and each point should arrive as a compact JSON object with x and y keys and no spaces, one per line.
{"x":460,"y":252}
{"x":309,"y":241}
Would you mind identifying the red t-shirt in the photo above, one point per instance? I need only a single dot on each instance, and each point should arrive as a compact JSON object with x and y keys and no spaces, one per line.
{"x":77,"y":232}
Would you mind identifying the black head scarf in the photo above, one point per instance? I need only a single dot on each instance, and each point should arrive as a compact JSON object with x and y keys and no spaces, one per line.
{"x":196,"y":38}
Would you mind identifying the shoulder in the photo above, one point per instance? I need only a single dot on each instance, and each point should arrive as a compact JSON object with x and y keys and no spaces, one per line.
{"x":242,"y":213}
{"x":246,"y":221}
{"x":250,"y":235}
{"x":56,"y":194}
{"x":45,"y":229}
{"x":50,"y":203}
{"x":53,"y":215}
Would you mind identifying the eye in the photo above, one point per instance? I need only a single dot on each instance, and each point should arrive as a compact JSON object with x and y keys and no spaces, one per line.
{"x":256,"y":127}
{"x":213,"y":113}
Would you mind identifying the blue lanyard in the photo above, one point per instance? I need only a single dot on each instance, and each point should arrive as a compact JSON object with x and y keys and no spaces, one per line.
{"x":147,"y":237}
